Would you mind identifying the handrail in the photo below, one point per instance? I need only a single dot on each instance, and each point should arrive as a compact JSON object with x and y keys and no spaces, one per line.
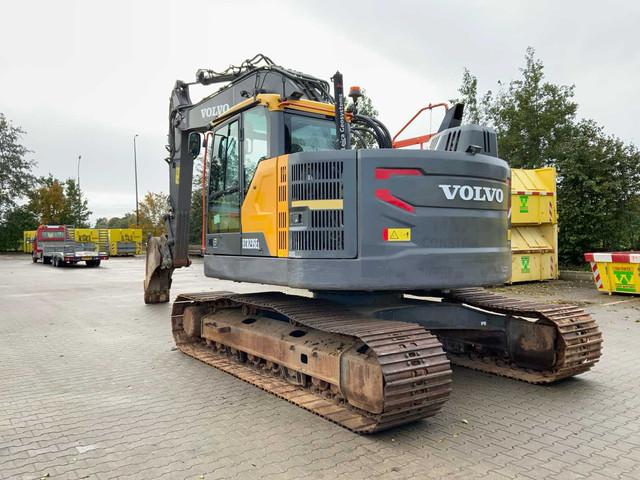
{"x":421,"y":139}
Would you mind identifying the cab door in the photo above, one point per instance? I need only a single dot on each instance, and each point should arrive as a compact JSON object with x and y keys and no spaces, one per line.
{"x":259,"y":208}
{"x":225,"y":191}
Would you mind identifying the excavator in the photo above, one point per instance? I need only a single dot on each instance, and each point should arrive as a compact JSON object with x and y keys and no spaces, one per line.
{"x":393,"y":245}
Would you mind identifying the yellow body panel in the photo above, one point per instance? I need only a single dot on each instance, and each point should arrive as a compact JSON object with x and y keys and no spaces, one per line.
{"x":259,"y":210}
{"x":319,"y":204}
{"x":619,"y":277}
{"x":274,"y":103}
{"x":27,"y":242}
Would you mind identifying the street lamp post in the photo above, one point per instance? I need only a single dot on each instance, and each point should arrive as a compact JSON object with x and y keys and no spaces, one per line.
{"x":135,"y":166}
{"x":79,"y":157}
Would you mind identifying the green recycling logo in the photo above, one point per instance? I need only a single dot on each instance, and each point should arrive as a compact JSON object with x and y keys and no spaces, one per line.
{"x":623,"y":281}
{"x":525,"y":266}
{"x":524,"y":203}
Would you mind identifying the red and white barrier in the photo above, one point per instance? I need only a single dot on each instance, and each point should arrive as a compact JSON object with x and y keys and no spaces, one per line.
{"x":613,"y":257}
{"x":596,"y":274}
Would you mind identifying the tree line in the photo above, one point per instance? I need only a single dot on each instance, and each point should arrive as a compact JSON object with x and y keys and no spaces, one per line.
{"x":598,"y":173}
{"x":27,"y":200}
{"x":150,"y":218}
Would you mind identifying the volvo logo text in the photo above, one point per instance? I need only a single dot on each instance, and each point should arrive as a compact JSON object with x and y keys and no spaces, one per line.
{"x":215,"y":111}
{"x":467,"y":192}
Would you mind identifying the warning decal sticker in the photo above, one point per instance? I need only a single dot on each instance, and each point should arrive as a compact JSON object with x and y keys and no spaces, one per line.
{"x":396,"y":234}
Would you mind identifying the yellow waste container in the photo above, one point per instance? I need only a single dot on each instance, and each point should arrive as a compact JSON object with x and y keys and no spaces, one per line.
{"x":615,"y":272}
{"x":533,"y":196}
{"x":125,"y":241}
{"x":534,"y":255}
{"x":28,"y":238}
{"x":86,"y":235}
{"x":534,"y":229}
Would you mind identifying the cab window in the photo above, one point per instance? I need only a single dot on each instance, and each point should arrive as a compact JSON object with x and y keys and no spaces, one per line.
{"x":309,"y":134}
{"x":52,"y":235}
{"x":224,"y":181}
{"x":255,"y":146}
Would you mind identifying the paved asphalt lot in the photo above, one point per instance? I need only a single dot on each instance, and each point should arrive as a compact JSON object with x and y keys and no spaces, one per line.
{"x":90,"y":387}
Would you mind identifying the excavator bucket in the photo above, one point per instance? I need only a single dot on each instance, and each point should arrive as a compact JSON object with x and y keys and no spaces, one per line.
{"x":158,"y":270}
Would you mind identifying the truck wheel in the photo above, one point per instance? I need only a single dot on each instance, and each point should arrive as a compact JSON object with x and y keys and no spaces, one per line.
{"x":46,"y":260}
{"x":55,"y":261}
{"x":34,"y":258}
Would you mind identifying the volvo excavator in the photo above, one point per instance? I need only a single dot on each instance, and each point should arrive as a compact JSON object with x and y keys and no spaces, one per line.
{"x":394,"y":245}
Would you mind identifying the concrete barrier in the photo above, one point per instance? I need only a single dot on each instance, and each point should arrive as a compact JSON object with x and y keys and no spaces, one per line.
{"x":576,"y":275}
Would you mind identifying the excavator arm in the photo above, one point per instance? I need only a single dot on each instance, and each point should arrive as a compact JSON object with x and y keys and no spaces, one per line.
{"x":187,"y":122}
{"x":170,"y":251}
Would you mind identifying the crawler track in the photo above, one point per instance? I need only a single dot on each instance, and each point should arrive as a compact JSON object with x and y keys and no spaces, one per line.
{"x":416,"y":371}
{"x":578,"y":344}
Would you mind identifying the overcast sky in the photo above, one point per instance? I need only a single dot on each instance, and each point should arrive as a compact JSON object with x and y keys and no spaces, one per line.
{"x":83,"y":77}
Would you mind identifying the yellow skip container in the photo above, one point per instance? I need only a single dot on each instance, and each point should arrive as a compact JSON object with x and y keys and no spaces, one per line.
{"x":534,"y":229}
{"x":615,"y":272}
{"x":125,"y":241}
{"x":27,"y":241}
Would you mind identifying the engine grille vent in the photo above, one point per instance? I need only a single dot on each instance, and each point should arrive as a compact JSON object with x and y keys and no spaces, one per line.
{"x":327,"y":218}
{"x":322,"y":219}
{"x":317,"y":181}
{"x":452,"y":141}
{"x":317,"y":240}
{"x":283,"y":246}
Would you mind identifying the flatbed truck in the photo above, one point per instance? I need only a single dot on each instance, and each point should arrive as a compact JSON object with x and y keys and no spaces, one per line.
{"x":57,"y":245}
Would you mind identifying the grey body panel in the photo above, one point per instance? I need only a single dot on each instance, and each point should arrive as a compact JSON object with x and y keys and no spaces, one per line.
{"x":223,"y":243}
{"x":407,"y":271}
{"x":455,"y":242}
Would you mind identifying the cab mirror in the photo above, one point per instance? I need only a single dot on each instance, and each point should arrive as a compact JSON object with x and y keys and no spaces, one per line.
{"x":194,"y":144}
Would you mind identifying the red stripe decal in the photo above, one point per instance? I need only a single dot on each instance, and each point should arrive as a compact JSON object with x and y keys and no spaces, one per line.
{"x":385,"y":195}
{"x":385,"y":234}
{"x":385,"y":173}
{"x":620,"y":257}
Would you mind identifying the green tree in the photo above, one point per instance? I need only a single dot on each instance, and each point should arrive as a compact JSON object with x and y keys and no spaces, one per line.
{"x":153,"y":208}
{"x":76,"y":207}
{"x":48,"y":202}
{"x":533,"y":118}
{"x":16,"y":220}
{"x":101,"y":222}
{"x":473,"y":111}
{"x":126,"y":221}
{"x":598,"y":202}
{"x":16,"y":177}
{"x":366,"y":108}
{"x":598,"y":184}
{"x":59,"y":203}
